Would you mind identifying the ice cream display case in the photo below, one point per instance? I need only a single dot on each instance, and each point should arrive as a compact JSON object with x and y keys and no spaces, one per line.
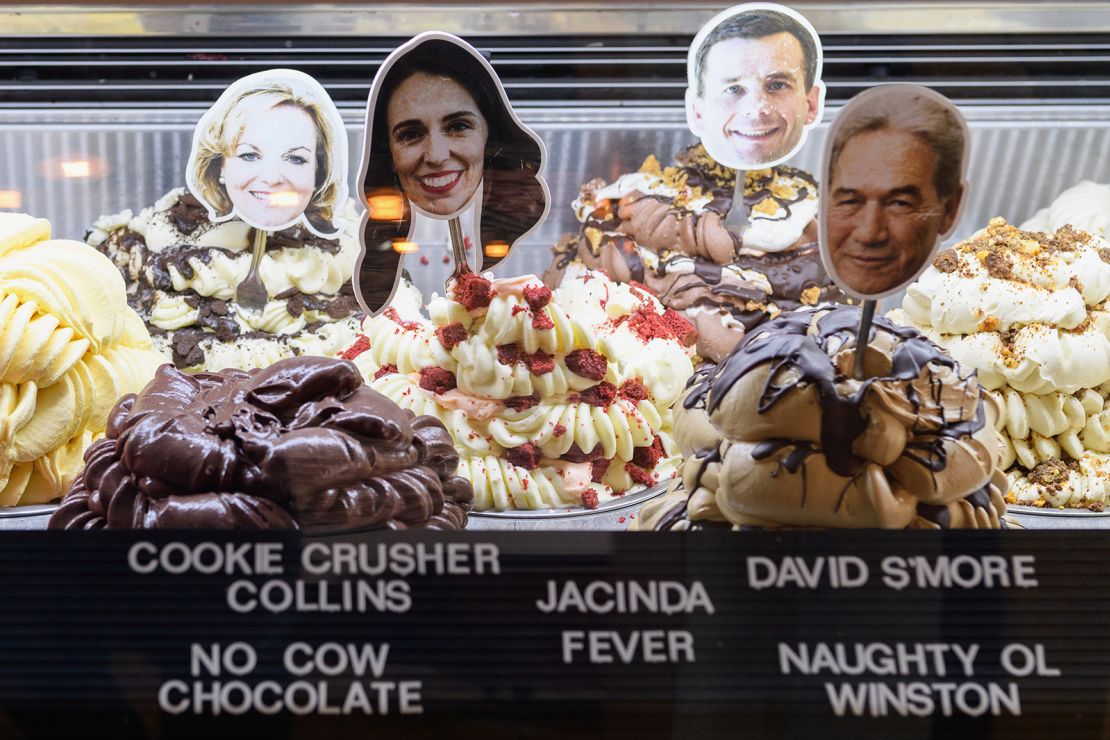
{"x":367,"y":318}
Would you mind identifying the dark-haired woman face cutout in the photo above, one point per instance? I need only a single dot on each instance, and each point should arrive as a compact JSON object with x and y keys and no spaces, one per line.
{"x":437,"y":140}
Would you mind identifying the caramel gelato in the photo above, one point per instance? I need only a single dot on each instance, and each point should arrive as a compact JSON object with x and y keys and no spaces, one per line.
{"x":69,"y":348}
{"x":553,"y":398}
{"x":662,"y":227}
{"x":304,"y":443}
{"x":182,"y":271}
{"x":779,"y":434}
{"x":1028,"y":310}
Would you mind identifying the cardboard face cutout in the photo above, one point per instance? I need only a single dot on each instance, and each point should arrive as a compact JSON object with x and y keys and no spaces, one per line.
{"x":272,"y":151}
{"x":892,"y":186}
{"x":442,"y":140}
{"x":754,"y":86}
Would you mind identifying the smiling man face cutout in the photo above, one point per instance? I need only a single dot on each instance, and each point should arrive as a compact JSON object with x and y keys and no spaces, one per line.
{"x":894,"y":175}
{"x":754,"y":87}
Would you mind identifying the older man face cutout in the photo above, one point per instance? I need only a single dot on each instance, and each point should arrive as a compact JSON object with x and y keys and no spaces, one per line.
{"x":754,"y":104}
{"x":885,"y":214}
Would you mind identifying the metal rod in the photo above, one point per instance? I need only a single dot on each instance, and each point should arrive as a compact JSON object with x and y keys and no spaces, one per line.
{"x":867,"y":314}
{"x":458,"y":249}
{"x":736,"y":220}
{"x":458,"y":242}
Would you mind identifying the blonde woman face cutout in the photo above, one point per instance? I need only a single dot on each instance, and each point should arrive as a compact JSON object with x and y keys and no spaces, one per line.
{"x":437,"y":141}
{"x":270,"y":172}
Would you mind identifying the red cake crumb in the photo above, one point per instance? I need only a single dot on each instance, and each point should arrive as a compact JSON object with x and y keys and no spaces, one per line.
{"x":537,"y":296}
{"x":589,"y":499}
{"x":508,"y":354}
{"x":575,"y":454}
{"x":542,"y":322}
{"x":587,"y":363}
{"x":451,"y":335}
{"x":517,"y":310}
{"x":361,"y":345}
{"x":423,"y":259}
{"x":387,"y":369}
{"x":436,"y":379}
{"x":639,"y":475}
{"x":681,"y":329}
{"x":598,"y":469}
{"x":539,"y":362}
{"x":559,"y":430}
{"x":633,"y":389}
{"x":601,"y":394}
{"x":446,"y":260}
{"x":522,"y":403}
{"x":641,"y":287}
{"x":671,"y":324}
{"x":473,"y":291}
{"x":648,"y":325}
{"x":648,"y":457}
{"x":392,"y":315}
{"x":525,"y":456}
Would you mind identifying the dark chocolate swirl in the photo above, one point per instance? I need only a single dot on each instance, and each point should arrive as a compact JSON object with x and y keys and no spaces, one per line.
{"x":303,"y":443}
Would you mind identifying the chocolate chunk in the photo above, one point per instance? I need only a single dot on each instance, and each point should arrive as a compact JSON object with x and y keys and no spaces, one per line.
{"x":295,"y":305}
{"x":999,"y":265}
{"x":947,"y":261}
{"x":1051,"y":474}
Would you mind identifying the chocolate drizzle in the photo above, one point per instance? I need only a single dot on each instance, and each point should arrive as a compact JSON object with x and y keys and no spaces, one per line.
{"x":791,"y":462}
{"x":790,"y":273}
{"x":808,"y":349}
{"x":787,"y":344}
{"x":303,"y":443}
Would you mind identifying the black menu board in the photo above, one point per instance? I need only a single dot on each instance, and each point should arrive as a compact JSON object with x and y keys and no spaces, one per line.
{"x":762,"y":635}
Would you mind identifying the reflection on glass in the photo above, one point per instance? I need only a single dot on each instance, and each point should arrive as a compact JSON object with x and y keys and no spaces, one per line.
{"x":283,"y":198}
{"x":11,"y":199}
{"x":386,"y":205}
{"x":76,"y":168}
{"x":497,"y":249}
{"x":404,"y":247}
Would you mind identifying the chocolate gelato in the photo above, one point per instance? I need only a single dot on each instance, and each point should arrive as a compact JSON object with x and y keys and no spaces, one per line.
{"x":781,"y":435}
{"x":303,"y":443}
{"x":663,"y":228}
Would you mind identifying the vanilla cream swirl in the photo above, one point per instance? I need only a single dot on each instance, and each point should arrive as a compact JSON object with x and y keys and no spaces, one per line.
{"x":1086,"y":206}
{"x":554,"y":399}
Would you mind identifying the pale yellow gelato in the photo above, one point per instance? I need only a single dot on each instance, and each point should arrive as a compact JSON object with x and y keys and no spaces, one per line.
{"x":69,"y":348}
